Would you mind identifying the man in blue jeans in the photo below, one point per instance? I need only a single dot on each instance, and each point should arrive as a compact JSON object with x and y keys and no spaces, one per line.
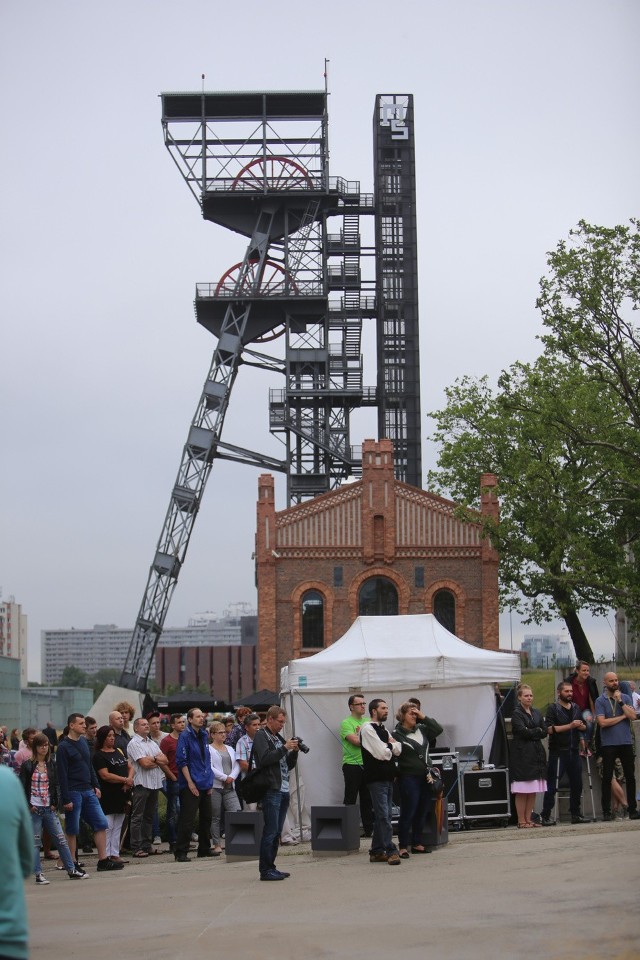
{"x":378,"y":752}
{"x":277,"y":755}
{"x":80,"y":793}
{"x":171,"y":789}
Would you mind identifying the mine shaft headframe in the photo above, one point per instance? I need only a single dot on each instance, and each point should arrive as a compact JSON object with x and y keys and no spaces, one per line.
{"x":247,"y":145}
{"x":396,"y":245}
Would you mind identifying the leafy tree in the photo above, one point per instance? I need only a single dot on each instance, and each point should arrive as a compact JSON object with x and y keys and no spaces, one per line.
{"x":563,"y":437}
{"x":587,"y":304}
{"x":74,"y":677}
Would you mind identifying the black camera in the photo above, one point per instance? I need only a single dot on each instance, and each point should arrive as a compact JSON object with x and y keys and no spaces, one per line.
{"x":301,"y":746}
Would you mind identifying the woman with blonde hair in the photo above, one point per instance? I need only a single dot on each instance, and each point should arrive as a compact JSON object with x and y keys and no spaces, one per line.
{"x":226,"y":770}
{"x":528,"y":760}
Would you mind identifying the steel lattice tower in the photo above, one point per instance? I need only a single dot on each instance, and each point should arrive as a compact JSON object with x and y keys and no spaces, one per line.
{"x":257,"y":163}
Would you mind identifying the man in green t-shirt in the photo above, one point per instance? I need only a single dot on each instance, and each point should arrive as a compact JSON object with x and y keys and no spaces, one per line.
{"x":354,"y":785}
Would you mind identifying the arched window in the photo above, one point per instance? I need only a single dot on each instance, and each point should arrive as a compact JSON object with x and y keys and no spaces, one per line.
{"x":378,"y":597}
{"x":444,"y":609}
{"x":312,"y":619}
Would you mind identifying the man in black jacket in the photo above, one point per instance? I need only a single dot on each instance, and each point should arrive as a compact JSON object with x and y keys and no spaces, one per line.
{"x":565,"y":727}
{"x":378,"y":752}
{"x":277,"y":755}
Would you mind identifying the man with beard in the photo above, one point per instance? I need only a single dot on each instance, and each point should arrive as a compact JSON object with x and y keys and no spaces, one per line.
{"x":378,"y":752}
{"x":195,"y":780}
{"x":565,"y":728}
{"x":614,"y":713}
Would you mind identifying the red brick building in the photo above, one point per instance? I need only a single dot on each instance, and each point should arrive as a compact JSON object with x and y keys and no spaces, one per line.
{"x":375,"y":546}
{"x":228,"y":672}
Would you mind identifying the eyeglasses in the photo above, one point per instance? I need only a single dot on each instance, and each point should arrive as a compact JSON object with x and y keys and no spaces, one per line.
{"x":358,"y":703}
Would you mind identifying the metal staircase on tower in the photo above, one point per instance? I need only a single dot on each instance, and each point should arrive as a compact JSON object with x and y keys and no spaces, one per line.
{"x":257,"y":164}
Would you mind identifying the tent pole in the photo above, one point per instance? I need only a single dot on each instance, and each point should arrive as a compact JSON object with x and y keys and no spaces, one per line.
{"x":293,"y":733}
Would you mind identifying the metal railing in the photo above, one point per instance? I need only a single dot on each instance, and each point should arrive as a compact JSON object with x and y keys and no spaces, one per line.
{"x":214,"y":291}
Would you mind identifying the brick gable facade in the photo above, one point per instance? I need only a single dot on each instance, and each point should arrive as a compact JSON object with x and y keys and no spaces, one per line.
{"x":374,"y":527}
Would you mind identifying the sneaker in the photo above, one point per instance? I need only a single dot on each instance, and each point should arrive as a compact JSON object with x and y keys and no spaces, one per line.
{"x":156,"y":841}
{"x":393,"y":859}
{"x":378,"y":857}
{"x":41,"y":879}
{"x":579,"y":819}
{"x":79,"y":865}
{"x":547,"y":821}
{"x":78,"y":875}
{"x":107,"y":864}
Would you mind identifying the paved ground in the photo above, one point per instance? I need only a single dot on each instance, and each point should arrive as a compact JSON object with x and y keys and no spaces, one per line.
{"x":569,"y":892}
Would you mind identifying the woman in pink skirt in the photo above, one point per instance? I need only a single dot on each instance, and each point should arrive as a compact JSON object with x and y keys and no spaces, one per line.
{"x":528,"y":760}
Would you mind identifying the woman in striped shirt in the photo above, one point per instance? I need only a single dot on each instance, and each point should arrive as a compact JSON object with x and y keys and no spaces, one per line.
{"x":38,"y":777}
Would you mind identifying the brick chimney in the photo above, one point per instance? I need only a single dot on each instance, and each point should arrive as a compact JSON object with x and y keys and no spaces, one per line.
{"x":378,"y":502}
{"x":489,"y":508}
{"x":266,"y":582}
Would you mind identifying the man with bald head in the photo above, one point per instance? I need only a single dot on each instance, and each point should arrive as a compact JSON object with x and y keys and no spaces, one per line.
{"x":614,"y":713}
{"x":116,"y":722}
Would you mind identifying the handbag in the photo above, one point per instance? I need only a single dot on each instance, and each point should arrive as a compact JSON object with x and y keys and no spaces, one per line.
{"x":254,"y":785}
{"x":434,"y":782}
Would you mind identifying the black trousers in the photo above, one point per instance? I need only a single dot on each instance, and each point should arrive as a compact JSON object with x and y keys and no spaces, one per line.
{"x":354,"y":787}
{"x":569,"y":762}
{"x":189,"y":807}
{"x":625,"y":755}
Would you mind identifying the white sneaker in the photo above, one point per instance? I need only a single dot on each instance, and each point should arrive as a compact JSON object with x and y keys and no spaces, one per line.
{"x":156,"y":841}
{"x":41,"y":879}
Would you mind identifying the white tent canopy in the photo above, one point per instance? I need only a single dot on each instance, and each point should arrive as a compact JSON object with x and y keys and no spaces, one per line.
{"x":393,"y":658}
{"x":398,"y":653}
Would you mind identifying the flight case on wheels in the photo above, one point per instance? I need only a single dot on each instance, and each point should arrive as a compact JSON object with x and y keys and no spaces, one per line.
{"x":485,"y":796}
{"x":447,"y":764}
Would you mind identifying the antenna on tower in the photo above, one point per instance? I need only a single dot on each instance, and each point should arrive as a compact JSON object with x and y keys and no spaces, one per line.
{"x":203,"y":82}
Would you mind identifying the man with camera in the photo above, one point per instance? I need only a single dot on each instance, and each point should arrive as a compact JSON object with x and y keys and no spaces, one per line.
{"x":378,"y":752}
{"x":278,"y":756}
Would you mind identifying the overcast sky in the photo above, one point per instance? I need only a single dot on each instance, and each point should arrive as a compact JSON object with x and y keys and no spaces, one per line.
{"x":526,"y":116}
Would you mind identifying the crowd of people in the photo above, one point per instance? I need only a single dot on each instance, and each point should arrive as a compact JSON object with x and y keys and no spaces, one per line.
{"x":580,"y":724}
{"x":106,"y":780}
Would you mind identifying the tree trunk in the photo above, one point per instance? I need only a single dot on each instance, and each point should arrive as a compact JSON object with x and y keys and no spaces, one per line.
{"x":580,"y":643}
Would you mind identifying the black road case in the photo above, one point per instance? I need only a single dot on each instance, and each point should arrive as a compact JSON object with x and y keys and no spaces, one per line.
{"x":485,"y":795}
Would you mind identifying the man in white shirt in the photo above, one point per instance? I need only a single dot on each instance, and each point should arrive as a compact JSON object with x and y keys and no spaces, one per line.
{"x":378,"y":752}
{"x":150,"y":768}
